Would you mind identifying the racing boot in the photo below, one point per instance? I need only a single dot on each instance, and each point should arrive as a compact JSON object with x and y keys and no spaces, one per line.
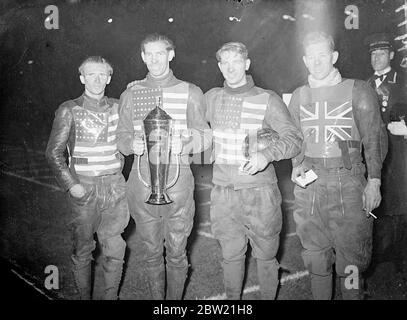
{"x":352,"y":291}
{"x":112,"y":271}
{"x":321,"y":287}
{"x":267,"y":273}
{"x":156,"y":281}
{"x":82,"y":275}
{"x":175,"y":282}
{"x":233,"y":274}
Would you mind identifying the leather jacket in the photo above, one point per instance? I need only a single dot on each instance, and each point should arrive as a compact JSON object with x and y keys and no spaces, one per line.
{"x":367,"y":117}
{"x":62,"y":138}
{"x":128,"y":106}
{"x":223,"y":117}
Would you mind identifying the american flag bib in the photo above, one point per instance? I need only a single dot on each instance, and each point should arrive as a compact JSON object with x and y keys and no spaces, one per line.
{"x":174,"y":102}
{"x":95,"y":152}
{"x":234,"y":118}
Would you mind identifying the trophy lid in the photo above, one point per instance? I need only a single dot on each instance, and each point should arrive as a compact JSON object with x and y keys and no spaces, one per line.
{"x":158,"y":113}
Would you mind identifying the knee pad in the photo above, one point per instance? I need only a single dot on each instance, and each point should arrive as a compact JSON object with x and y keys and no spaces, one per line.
{"x":177,"y":261}
{"x":319,"y":262}
{"x":113,"y":247}
{"x":269,"y":264}
{"x":111,"y":264}
{"x":81,"y":261}
{"x":234,"y":249}
{"x":83,"y":251}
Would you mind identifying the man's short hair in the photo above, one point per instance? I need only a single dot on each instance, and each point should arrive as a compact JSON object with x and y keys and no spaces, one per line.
{"x":317,"y":37}
{"x":155,"y":37}
{"x":237,"y":47}
{"x":95,"y":59}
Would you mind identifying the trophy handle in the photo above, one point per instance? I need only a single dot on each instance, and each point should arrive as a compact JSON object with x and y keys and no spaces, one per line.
{"x":174,"y":181}
{"x":139,"y":173}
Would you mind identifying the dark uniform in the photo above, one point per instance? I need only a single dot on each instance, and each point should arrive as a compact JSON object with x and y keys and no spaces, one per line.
{"x":163,"y":225}
{"x":391,"y":91}
{"x":87,"y":128}
{"x":332,"y":226}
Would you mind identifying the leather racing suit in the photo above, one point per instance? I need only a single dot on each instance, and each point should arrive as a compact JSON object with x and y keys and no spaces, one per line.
{"x":86,"y":127}
{"x":166,"y":225}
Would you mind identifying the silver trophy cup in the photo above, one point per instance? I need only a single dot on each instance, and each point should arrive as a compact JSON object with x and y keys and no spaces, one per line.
{"x":157,"y":136}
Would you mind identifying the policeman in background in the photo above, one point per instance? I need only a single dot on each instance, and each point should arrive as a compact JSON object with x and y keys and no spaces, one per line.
{"x":385,"y":80}
{"x":390,"y":229}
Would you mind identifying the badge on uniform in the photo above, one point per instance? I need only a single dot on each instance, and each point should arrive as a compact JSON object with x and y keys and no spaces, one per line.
{"x":385,"y":103}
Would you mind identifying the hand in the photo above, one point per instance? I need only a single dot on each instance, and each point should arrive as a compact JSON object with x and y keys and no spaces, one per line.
{"x":129,"y":85}
{"x":77,"y":191}
{"x":256,"y":163}
{"x":298,"y":171}
{"x":398,"y":128}
{"x":138,"y":145}
{"x":371,"y":195}
{"x":176,"y":144}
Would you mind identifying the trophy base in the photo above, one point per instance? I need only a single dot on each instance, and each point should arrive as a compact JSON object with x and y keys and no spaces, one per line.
{"x":157,"y":199}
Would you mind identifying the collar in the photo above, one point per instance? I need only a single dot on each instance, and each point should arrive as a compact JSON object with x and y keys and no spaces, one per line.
{"x":95,"y":104}
{"x":242,"y":89}
{"x":162,"y":82}
{"x":332,"y":79}
{"x":384,"y":71}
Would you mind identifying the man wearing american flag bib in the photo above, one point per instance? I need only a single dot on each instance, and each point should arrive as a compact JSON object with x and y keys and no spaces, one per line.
{"x":86,"y":126}
{"x":334,"y":214}
{"x":166,"y":225}
{"x":246,"y":201}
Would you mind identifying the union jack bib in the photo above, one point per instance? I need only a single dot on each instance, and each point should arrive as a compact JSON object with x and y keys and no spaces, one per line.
{"x":326,"y":116}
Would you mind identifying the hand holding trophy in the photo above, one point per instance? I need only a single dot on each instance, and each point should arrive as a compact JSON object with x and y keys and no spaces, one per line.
{"x":138,"y":145}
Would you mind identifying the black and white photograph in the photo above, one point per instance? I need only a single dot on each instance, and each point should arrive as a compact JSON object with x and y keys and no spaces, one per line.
{"x":214,"y":152}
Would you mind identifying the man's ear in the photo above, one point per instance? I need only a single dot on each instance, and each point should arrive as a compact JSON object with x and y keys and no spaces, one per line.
{"x":219,"y":66}
{"x":248,"y":64}
{"x":108,"y":79}
{"x":143,"y":57}
{"x":305,"y":61}
{"x":171,"y":55}
{"x":335,"y":56}
{"x":82,"y":78}
{"x":391,"y":55}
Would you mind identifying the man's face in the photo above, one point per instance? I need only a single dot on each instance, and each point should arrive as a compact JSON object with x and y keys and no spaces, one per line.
{"x":233,"y":67}
{"x":157,"y":58}
{"x":380,"y":59}
{"x":320,"y":59}
{"x":95,"y":77}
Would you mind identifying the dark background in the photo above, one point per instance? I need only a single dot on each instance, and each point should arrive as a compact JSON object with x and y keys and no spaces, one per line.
{"x":38,"y":67}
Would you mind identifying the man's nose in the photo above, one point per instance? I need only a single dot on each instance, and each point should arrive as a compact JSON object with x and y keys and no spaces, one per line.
{"x":97,"y":80}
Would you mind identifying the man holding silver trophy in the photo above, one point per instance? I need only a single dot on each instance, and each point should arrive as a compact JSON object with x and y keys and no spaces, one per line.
{"x":162,"y":123}
{"x":246,"y":200}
